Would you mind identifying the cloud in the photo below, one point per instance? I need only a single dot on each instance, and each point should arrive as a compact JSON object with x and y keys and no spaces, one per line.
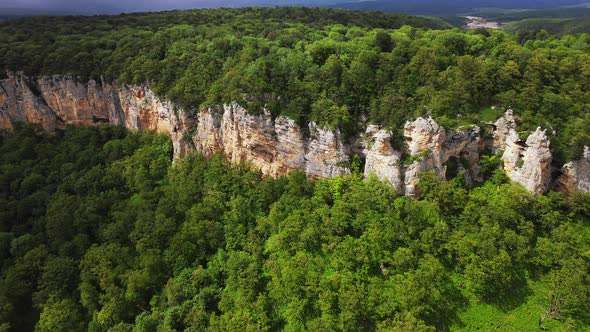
{"x":114,"y":6}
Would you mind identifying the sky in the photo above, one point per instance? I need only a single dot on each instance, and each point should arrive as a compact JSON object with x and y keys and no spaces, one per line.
{"x":139,"y":5}
{"x":118,"y":6}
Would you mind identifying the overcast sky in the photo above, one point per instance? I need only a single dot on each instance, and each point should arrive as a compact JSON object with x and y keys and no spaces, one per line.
{"x":139,"y":5}
{"x":117,"y":6}
{"x":108,"y":5}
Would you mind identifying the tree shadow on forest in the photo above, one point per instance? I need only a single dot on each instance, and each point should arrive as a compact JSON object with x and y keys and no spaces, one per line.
{"x":507,"y":299}
{"x":510,"y":297}
{"x":449,"y":313}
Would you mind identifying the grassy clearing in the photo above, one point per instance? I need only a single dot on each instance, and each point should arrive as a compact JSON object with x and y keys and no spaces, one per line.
{"x":524,"y":313}
{"x":490,"y":114}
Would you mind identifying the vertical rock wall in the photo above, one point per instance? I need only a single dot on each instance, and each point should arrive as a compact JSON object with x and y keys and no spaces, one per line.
{"x":529,"y":162}
{"x":576,"y":174}
{"x":429,"y":148}
{"x":279,"y":146}
{"x":275,"y":146}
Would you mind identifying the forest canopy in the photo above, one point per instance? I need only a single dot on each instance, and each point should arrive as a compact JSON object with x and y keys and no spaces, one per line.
{"x":101,"y":231}
{"x":305,"y":63}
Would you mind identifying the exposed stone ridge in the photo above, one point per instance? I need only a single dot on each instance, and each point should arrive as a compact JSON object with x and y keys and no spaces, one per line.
{"x":430,"y":148}
{"x":503,"y":128}
{"x":529,"y":162}
{"x":576,"y":174}
{"x":275,"y":147}
{"x":56,"y":101}
{"x":279,"y":146}
{"x":383,"y":160}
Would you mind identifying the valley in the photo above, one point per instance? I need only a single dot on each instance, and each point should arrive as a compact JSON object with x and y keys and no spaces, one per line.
{"x":475,"y":22}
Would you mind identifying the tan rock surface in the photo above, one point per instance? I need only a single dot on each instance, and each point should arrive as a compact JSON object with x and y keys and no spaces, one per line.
{"x":576,"y":174}
{"x":279,"y":146}
{"x":530,"y":163}
{"x":383,"y":161}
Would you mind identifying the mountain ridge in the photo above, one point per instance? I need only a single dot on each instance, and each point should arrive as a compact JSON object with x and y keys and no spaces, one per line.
{"x":278,"y":146}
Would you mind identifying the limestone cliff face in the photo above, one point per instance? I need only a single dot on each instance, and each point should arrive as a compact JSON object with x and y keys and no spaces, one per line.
{"x":503,"y":128}
{"x":56,"y":101}
{"x":576,"y":174}
{"x":424,"y":140}
{"x":19,"y":103}
{"x":383,"y":160}
{"x":430,"y":148}
{"x":529,"y":162}
{"x":424,"y":135}
{"x":278,"y":146}
{"x":325,"y":155}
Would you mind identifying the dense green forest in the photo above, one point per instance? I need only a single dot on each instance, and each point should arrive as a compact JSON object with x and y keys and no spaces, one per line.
{"x":556,"y":21}
{"x":99,"y":231}
{"x":339,"y":68}
{"x":519,"y":15}
{"x":557,"y":26}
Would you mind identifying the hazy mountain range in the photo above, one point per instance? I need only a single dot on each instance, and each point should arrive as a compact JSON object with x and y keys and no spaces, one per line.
{"x":34,"y":7}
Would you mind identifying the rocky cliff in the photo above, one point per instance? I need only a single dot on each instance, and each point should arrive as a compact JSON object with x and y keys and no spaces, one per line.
{"x":429,"y":148}
{"x":576,"y":174}
{"x":56,"y":101}
{"x":278,"y":146}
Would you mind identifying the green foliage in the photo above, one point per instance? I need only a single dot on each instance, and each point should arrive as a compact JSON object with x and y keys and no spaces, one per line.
{"x":125,"y":240}
{"x":417,"y":156}
{"x":558,"y":26}
{"x":339,"y":68}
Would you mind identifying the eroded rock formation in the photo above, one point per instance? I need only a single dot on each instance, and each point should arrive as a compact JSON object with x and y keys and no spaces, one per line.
{"x":56,"y":101}
{"x":383,"y":160}
{"x":278,"y":146}
{"x":576,"y":174}
{"x":529,"y":162}
{"x":503,"y":128}
{"x":429,"y":148}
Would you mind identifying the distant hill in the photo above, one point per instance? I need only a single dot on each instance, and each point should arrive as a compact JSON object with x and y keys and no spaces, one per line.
{"x":7,"y":13}
{"x":452,"y":7}
{"x":418,"y":7}
{"x":552,"y":25}
{"x":518,"y":15}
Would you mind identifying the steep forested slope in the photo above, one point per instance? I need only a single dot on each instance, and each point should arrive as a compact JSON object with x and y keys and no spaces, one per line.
{"x":557,"y":26}
{"x":100,"y":231}
{"x":332,"y":67}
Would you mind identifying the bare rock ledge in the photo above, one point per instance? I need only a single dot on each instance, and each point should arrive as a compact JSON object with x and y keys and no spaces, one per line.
{"x":279,"y":146}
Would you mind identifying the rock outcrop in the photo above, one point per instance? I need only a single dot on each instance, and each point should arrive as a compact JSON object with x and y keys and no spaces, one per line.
{"x":275,"y":146}
{"x":325,"y":155}
{"x":56,"y":101}
{"x":20,"y":104}
{"x":430,"y":148}
{"x":529,"y":162}
{"x":383,"y":160}
{"x":576,"y":174}
{"x":424,"y":135}
{"x":279,"y":145}
{"x":503,"y":128}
